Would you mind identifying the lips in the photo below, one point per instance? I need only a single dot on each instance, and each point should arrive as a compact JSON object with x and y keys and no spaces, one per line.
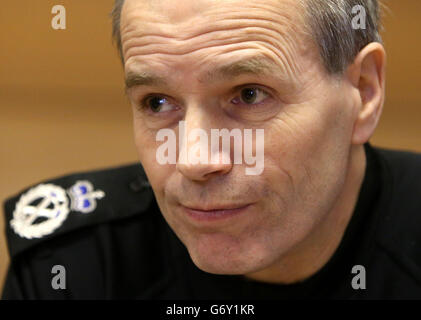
{"x":214,"y":213}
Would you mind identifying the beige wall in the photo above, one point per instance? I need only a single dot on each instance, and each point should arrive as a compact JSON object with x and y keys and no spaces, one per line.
{"x":62,"y":106}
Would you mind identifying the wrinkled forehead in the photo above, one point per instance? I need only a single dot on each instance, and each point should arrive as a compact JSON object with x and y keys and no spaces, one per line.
{"x":182,"y":10}
{"x":206,"y":32}
{"x":182,"y":19}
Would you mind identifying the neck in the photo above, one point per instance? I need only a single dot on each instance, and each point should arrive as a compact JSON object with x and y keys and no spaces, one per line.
{"x":315,"y":251}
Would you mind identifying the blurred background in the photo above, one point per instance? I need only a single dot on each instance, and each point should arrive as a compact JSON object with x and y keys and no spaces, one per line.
{"x":62,"y":106}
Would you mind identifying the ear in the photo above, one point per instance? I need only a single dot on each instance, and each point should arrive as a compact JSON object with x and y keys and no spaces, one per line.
{"x":367,"y":75}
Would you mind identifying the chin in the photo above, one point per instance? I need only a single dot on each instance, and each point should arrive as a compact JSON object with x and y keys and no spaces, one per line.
{"x":231,"y":257}
{"x":215,"y":265}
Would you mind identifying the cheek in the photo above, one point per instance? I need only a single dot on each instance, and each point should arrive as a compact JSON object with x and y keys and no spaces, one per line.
{"x":144,"y":141}
{"x":146,"y":146}
{"x":314,"y":131}
{"x":309,"y":145}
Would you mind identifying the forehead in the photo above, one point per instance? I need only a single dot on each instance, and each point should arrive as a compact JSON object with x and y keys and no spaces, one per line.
{"x":208,"y":27}
{"x":183,"y":19}
{"x":184,"y":10}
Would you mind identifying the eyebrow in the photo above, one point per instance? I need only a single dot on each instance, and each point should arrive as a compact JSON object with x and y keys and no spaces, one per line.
{"x":256,"y":65}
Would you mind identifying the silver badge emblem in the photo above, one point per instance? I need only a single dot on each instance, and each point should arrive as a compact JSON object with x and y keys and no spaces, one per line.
{"x":40,"y":211}
{"x":44,"y":208}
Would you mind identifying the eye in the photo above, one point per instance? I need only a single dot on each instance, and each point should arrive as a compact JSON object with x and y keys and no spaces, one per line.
{"x":251,"y":96}
{"x":157,"y":104}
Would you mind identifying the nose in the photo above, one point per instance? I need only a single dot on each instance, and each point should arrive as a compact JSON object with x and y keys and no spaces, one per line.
{"x":198,"y":171}
{"x":199,"y":159}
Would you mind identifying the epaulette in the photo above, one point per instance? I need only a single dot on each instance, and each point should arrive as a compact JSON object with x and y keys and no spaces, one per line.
{"x":61,"y":205}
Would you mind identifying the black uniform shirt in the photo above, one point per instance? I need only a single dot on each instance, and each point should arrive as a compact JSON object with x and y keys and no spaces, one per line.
{"x":123,"y":248}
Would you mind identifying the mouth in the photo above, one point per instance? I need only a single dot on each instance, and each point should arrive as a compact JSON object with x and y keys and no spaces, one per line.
{"x":215,"y":213}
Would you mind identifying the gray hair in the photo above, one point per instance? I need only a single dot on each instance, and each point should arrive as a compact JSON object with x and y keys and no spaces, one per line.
{"x":330,"y":24}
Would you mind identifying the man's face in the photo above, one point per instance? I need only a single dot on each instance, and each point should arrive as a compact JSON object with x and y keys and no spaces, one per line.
{"x":307,"y":117}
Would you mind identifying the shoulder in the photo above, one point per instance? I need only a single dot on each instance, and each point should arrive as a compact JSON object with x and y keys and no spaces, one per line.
{"x":399,"y":211}
{"x":102,"y":227}
{"x":65,"y":204}
{"x":401,"y":175}
{"x":405,"y":166}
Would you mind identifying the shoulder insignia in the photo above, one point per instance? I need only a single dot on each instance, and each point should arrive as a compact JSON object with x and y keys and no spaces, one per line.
{"x":43,"y":209}
{"x":82,"y":196}
{"x":71,"y":202}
